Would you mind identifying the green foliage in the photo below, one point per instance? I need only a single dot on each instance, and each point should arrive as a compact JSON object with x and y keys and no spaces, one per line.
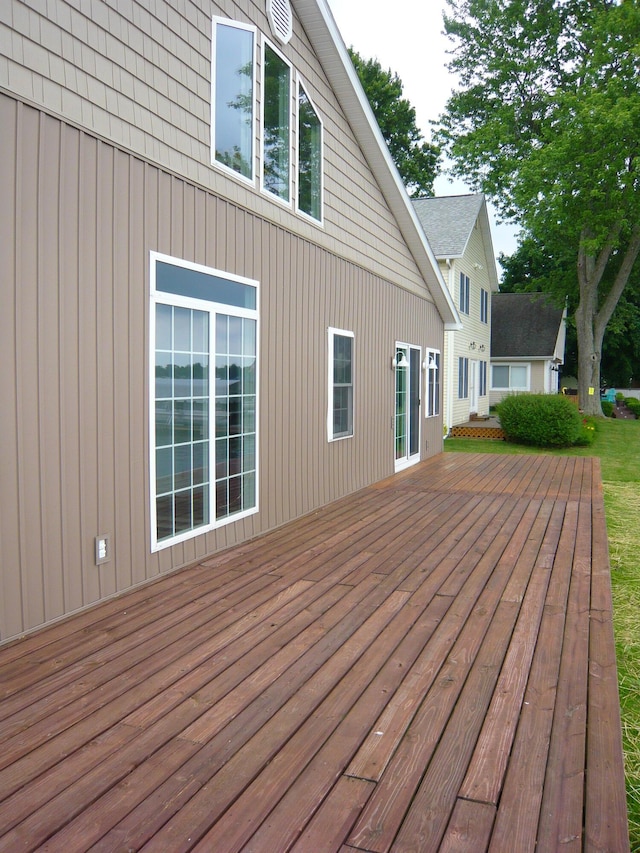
{"x":415,"y":159}
{"x":543,"y":420}
{"x":607,"y":408}
{"x":546,"y":121}
{"x":633,"y":404}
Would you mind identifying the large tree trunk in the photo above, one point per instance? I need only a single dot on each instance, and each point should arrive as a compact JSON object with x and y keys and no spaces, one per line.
{"x":591,"y":321}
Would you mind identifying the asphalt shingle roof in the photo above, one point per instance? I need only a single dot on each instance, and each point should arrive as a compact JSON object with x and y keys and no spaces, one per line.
{"x":523,"y":325}
{"x":448,"y":221}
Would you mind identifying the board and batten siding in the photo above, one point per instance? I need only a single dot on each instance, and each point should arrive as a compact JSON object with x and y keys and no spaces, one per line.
{"x":78,"y":222}
{"x":139,"y":75}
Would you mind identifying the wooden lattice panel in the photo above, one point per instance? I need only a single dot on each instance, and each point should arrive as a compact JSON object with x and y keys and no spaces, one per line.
{"x":478,"y":432}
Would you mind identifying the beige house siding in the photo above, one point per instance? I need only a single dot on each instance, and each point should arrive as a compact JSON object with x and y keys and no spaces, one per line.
{"x":475,"y":264}
{"x":139,"y":75}
{"x":79,"y":219}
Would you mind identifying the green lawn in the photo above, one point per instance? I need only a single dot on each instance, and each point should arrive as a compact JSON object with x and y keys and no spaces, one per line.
{"x":617,"y":444}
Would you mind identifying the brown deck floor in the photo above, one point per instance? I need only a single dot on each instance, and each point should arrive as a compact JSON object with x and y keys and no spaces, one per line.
{"x":427,"y":665}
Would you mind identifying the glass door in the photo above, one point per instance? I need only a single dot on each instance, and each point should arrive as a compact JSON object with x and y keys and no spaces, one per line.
{"x":407,"y":362}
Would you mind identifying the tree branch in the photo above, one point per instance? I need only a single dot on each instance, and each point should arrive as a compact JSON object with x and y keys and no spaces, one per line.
{"x":613,"y":297}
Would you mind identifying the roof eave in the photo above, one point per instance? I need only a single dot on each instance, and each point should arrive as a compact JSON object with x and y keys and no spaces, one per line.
{"x":327,"y":42}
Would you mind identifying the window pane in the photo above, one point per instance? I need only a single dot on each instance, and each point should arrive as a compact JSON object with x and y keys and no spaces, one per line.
{"x":233,"y":123}
{"x":519,"y":377}
{"x":309,"y":157}
{"x":181,"y":420}
{"x":277,"y":110}
{"x":235,"y":413}
{"x":500,"y":375}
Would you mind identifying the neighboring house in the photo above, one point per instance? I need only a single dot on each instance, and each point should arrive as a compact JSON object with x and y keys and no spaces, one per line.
{"x":217,"y":298}
{"x":458,"y":230}
{"x":527,"y":344}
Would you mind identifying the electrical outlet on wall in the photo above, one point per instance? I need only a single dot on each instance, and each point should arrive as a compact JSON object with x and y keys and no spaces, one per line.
{"x":103,"y":548}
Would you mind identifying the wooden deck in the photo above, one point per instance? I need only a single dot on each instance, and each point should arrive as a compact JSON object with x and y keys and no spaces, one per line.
{"x":427,"y":665}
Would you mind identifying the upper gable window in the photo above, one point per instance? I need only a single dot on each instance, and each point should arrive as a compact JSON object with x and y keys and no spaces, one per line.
{"x":276,"y":112}
{"x":234,"y":97}
{"x":484,"y":305}
{"x":309,"y":157}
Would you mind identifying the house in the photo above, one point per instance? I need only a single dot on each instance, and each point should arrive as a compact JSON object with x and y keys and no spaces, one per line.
{"x":458,"y":230}
{"x":527,"y":344}
{"x":220,"y":311}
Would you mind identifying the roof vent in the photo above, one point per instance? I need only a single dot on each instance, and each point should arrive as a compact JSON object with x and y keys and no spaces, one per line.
{"x":280,"y":19}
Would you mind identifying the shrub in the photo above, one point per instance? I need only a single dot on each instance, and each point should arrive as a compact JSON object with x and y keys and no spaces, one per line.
{"x":607,"y":408}
{"x":587,"y":433}
{"x":543,"y":420}
{"x":633,"y":404}
{"x":619,"y":396}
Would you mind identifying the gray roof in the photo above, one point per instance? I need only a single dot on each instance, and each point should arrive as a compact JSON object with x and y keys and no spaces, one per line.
{"x":523,"y":325}
{"x":448,"y":221}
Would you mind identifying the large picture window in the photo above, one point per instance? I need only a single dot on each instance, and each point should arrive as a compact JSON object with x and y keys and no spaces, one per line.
{"x":432,"y":370}
{"x":309,"y":157}
{"x":233,"y":108}
{"x":203,"y":399}
{"x":276,"y":111}
{"x":340,"y":414}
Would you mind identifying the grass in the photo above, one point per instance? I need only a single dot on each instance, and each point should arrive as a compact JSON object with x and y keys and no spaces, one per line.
{"x":617,"y":444}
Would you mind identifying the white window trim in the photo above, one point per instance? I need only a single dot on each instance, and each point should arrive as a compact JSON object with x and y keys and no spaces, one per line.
{"x":292,"y":117}
{"x":427,"y":371}
{"x":465,"y":304}
{"x":299,"y":83}
{"x":510,"y":364}
{"x":157,"y":296}
{"x":332,"y":332}
{"x":228,"y":22}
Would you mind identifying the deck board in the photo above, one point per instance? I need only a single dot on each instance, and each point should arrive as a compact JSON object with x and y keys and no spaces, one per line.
{"x":426,"y":665}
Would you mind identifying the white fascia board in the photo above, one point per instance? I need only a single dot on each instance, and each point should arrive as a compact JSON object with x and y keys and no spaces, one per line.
{"x":328,"y":45}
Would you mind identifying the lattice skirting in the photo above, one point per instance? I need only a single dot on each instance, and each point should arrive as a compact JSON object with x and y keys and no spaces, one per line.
{"x":477,"y":432}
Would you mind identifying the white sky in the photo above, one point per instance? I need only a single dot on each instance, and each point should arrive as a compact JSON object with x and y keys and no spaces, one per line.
{"x":407,"y":37}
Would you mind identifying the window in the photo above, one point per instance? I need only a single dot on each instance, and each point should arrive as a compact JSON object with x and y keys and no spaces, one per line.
{"x":433,"y":383}
{"x":483,"y":379}
{"x":340,"y":414}
{"x":510,"y":377}
{"x":233,"y":108}
{"x":464,"y":293}
{"x":484,"y":306}
{"x":463,"y":378}
{"x":204,"y":420}
{"x":309,"y":157}
{"x":276,"y":124}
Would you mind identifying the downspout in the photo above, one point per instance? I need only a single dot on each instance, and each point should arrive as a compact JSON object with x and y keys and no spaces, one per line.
{"x":450,"y":340}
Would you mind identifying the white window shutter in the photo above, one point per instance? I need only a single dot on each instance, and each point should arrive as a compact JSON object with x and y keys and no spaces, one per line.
{"x":280,"y":19}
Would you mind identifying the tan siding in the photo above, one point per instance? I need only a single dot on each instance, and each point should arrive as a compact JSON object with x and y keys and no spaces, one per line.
{"x":84,"y":217}
{"x":139,"y":75}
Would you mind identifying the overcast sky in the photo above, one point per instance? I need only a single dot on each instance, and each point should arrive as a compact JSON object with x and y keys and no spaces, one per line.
{"x":407,"y":37}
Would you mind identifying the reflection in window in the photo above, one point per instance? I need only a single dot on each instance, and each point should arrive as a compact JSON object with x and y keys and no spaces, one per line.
{"x":233,"y":125}
{"x":276,"y":125}
{"x":513,"y":377}
{"x":181,"y":419}
{"x":433,"y":383}
{"x":235,"y":414}
{"x":204,"y":450}
{"x":309,"y":157}
{"x":340,"y":420}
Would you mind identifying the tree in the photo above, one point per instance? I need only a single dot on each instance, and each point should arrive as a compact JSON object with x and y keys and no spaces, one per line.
{"x":415,"y":159}
{"x":546,"y":122}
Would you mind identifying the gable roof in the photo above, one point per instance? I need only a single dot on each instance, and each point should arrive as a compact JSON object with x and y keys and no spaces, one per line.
{"x":323,"y":33}
{"x":524,"y":325}
{"x":448,"y":222}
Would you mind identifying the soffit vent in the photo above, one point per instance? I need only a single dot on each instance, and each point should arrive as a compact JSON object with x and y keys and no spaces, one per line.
{"x":280,"y":19}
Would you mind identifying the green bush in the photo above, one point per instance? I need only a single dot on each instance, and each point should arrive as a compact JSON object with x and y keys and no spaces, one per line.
{"x":633,"y":404}
{"x":543,"y":420}
{"x":607,"y":408}
{"x":619,"y":396}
